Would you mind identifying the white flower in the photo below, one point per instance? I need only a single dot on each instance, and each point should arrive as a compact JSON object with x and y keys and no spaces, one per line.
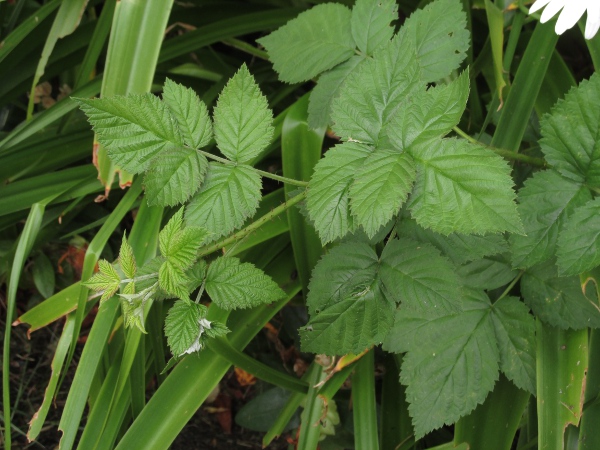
{"x":572,"y":10}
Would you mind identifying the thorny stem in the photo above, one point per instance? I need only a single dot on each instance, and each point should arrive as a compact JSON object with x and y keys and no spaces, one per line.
{"x":539,"y":162}
{"x":253,"y":226}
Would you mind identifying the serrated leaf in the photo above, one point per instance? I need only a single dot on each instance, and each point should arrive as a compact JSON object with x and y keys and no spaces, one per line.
{"x":106,"y":279}
{"x":173,"y":280}
{"x":380,"y":188}
{"x":460,"y":248}
{"x":570,"y":133}
{"x":439,"y":34}
{"x":243,"y":120}
{"x":515,"y":334}
{"x":232,"y":284}
{"x":229,"y":195}
{"x":429,"y":114}
{"x":175,"y":176}
{"x":370,"y":23}
{"x":134,"y":129}
{"x":328,"y":201}
{"x":127,"y":259}
{"x":217,"y":329}
{"x":370,"y":95}
{"x":545,"y":204}
{"x":183,"y":250}
{"x":319,"y":106}
{"x":348,"y":309}
{"x":190,"y":112}
{"x":463,"y":188}
{"x":558,"y":301}
{"x":579,"y":241}
{"x":418,"y":277}
{"x":487,"y":273}
{"x":182,"y":325}
{"x":447,"y":374}
{"x":315,"y":41}
{"x":169,"y":233}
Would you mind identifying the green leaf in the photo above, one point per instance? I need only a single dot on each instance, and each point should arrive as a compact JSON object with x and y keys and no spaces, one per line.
{"x":182,"y":325}
{"x":487,"y":273}
{"x":447,"y":375}
{"x":243,"y":120}
{"x":315,"y":41}
{"x":558,"y":301}
{"x":319,"y":106}
{"x":107,"y":280}
{"x":172,"y":280}
{"x":515,"y":333}
{"x":579,"y":241}
{"x":370,"y":23}
{"x":349,"y":311}
{"x":175,"y":176}
{"x":190,"y":112}
{"x":43,"y":275}
{"x":439,"y":34}
{"x":134,"y":129}
{"x":545,"y":204}
{"x":428,"y":115}
{"x":328,"y":201}
{"x":380,"y":188}
{"x":570,"y":133}
{"x":169,"y":233}
{"x":370,"y":95}
{"x":180,"y":245}
{"x":229,"y":195}
{"x":232,"y":284}
{"x":463,"y":188}
{"x":127,"y":259}
{"x":460,"y":248}
{"x":417,"y":276}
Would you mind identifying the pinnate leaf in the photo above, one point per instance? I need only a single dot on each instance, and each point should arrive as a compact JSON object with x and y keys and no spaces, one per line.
{"x":370,"y":23}
{"x":463,"y":188}
{"x":328,"y":201}
{"x":229,"y":195}
{"x":134,"y":129}
{"x":182,"y":325}
{"x":243,"y":120}
{"x":380,"y":188}
{"x":315,"y":41}
{"x":545,"y":204}
{"x":190,"y":112}
{"x":232,"y":284}
{"x":579,"y":242}
{"x":558,"y":301}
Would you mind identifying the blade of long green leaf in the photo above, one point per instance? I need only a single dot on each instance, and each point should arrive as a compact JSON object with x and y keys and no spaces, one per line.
{"x":589,"y":438}
{"x":310,"y":429}
{"x":495,"y":18}
{"x":363,"y":404}
{"x":396,"y":426}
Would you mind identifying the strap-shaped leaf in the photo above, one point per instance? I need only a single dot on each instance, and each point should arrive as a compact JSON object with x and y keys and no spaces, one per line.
{"x":579,"y":241}
{"x":558,"y":301}
{"x":175,"y":176}
{"x":134,"y":129}
{"x":417,"y":276}
{"x":571,"y":133}
{"x":190,"y":112}
{"x":428,"y":115}
{"x":370,"y":96}
{"x":232,"y":284}
{"x":515,"y":334}
{"x":438,"y":33}
{"x":463,"y":188}
{"x":328,"y":201}
{"x":545,"y":204}
{"x":380,"y":188}
{"x":229,"y":195}
{"x":319,"y":106}
{"x":370,"y":23}
{"x":182,"y":325}
{"x":315,"y":41}
{"x":243,"y":120}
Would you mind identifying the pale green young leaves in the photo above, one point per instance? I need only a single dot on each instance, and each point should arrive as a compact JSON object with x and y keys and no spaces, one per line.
{"x":127,"y":259}
{"x":371,"y":23}
{"x":243,"y":120}
{"x":232,"y":284}
{"x":315,"y":41}
{"x":106,"y":279}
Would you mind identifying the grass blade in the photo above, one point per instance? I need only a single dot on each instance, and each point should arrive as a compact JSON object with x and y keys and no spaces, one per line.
{"x":363,"y":404}
{"x":396,"y":426}
{"x":310,"y":429}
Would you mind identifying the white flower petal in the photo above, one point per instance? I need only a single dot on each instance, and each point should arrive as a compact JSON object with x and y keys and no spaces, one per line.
{"x":553,"y":7}
{"x":539,"y":4}
{"x":593,"y":20}
{"x":569,"y":16}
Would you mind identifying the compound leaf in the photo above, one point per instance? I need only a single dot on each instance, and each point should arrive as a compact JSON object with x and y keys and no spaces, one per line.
{"x":173,"y":281}
{"x":463,"y":188}
{"x":370,"y":23}
{"x":229,"y":195}
{"x":107,"y":279}
{"x":190,"y":112}
{"x":579,"y":241}
{"x":315,"y":41}
{"x":232,"y":284}
{"x":182,"y":325}
{"x":545,"y":204}
{"x":487,"y":273}
{"x":243,"y":120}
